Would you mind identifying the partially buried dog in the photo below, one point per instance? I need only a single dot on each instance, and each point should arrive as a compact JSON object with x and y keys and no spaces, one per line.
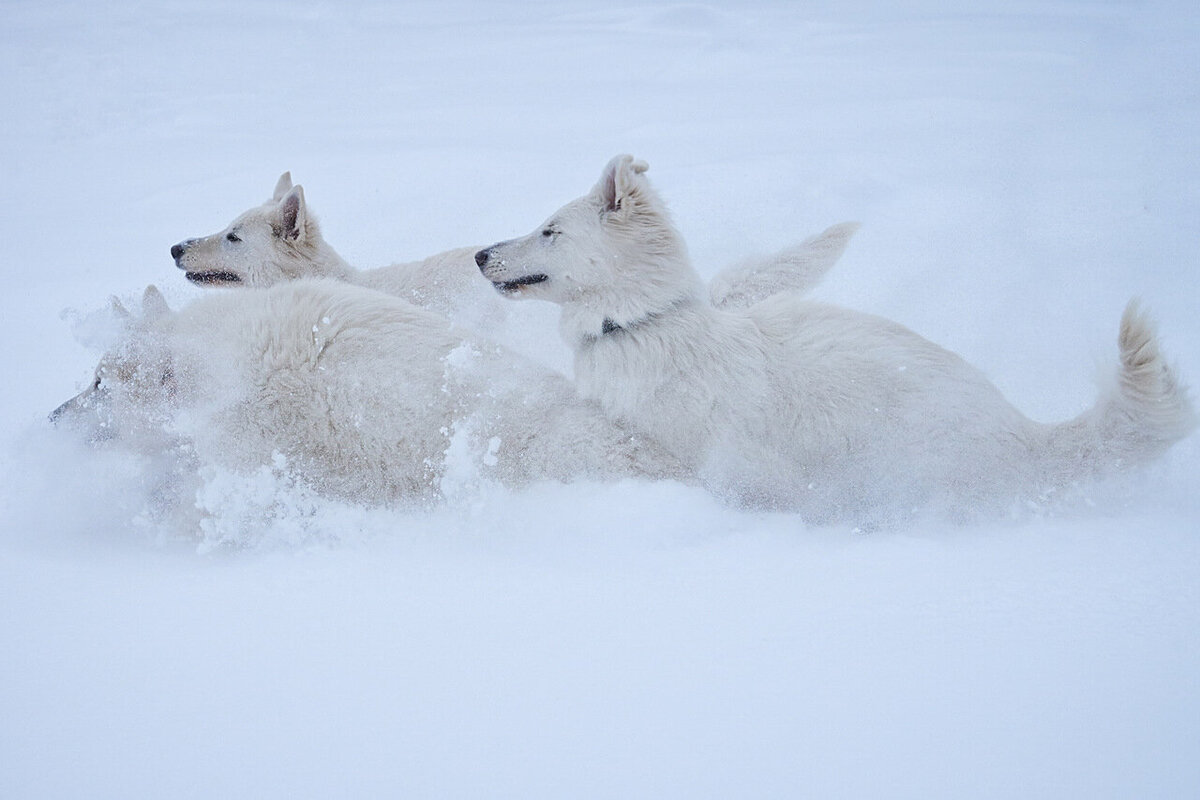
{"x":280,"y":240}
{"x":798,"y":405}
{"x":363,"y":396}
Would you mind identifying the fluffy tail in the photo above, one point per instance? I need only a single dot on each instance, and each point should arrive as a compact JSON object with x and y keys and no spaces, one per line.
{"x":1137,"y":418}
{"x":794,"y":269}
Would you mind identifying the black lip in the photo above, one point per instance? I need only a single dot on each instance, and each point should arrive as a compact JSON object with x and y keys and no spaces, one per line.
{"x":214,"y":277}
{"x":511,"y":286}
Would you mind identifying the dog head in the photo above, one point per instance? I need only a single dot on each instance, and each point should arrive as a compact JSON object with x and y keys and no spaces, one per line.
{"x":274,"y":242}
{"x":614,"y":251}
{"x":135,"y":386}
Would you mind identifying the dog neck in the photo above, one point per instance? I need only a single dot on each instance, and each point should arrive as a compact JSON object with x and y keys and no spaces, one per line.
{"x":610,"y":329}
{"x":325,"y":262}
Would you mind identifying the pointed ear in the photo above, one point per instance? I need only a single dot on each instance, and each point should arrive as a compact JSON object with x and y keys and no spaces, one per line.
{"x":282,"y":186}
{"x":118,"y":308}
{"x":154,"y":305}
{"x":293,"y":215}
{"x":620,"y":182}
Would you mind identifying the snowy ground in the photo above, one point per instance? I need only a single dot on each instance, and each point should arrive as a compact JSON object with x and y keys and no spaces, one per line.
{"x":1020,"y":170}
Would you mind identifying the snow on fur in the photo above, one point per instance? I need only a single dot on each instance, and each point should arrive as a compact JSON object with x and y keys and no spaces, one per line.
{"x":360,"y":395}
{"x":794,"y":404}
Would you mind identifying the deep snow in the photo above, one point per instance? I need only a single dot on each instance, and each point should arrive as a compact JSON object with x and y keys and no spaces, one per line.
{"x":1020,"y":170}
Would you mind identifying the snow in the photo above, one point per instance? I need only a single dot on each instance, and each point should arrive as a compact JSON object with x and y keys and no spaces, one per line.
{"x":1020,"y":170}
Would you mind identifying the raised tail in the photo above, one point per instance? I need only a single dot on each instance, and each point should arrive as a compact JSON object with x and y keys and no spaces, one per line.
{"x":795,"y":269}
{"x":1141,"y":414}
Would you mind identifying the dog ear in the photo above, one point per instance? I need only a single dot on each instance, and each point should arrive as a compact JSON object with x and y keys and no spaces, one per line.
{"x":293,"y":215}
{"x":282,"y":186}
{"x":118,"y":308}
{"x":154,"y":305}
{"x":620,"y":182}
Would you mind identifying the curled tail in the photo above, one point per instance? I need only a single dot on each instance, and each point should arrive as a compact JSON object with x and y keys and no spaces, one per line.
{"x":1139,"y":416}
{"x":1151,"y":392}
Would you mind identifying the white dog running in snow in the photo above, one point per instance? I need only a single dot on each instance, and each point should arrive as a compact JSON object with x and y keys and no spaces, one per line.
{"x":798,"y":405}
{"x":362,"y":395}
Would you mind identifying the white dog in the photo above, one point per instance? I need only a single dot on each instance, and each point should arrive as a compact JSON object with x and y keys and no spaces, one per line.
{"x":797,"y":405}
{"x":362,"y":395}
{"x":280,"y":240}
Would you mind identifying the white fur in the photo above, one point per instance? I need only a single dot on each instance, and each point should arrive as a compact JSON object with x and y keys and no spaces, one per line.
{"x":795,"y":269}
{"x":361,"y":394}
{"x":794,"y":404}
{"x":280,"y":240}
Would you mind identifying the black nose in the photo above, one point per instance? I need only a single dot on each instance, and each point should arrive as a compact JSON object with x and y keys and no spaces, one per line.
{"x":177,"y":250}
{"x":57,"y":413}
{"x":481,"y":258}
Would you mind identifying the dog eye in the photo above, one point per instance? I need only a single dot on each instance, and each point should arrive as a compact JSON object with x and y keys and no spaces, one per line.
{"x":548,"y":232}
{"x":233,"y":237}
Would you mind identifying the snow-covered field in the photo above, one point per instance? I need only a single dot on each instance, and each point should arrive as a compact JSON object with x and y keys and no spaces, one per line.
{"x":1020,"y":170}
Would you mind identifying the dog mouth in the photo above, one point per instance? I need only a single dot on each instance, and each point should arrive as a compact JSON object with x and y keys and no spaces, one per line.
{"x":515,"y":285}
{"x":213,"y":277}
{"x":86,"y":413}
